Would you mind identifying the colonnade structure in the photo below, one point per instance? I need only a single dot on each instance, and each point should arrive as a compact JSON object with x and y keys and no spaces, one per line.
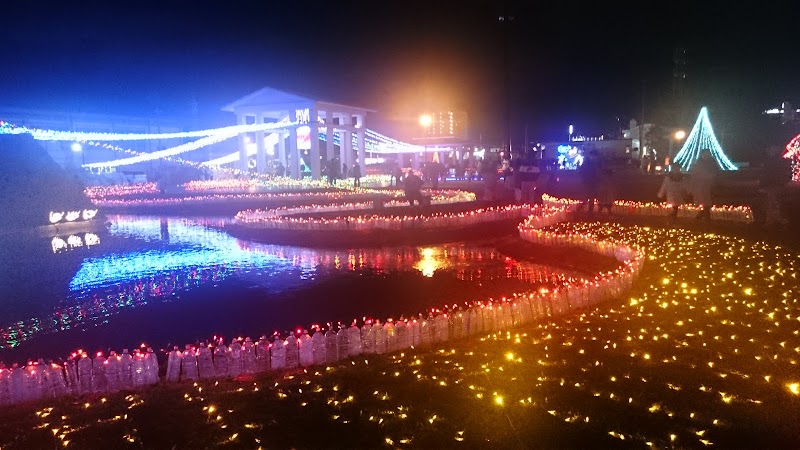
{"x":306,"y":118}
{"x":271,"y":125}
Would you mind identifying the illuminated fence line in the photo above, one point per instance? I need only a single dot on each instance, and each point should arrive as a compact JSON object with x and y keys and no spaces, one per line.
{"x":241,"y":185}
{"x":249,"y":220}
{"x":344,"y":195}
{"x":82,"y":374}
{"x":121,"y":190}
{"x":437,"y":198}
{"x":221,"y":198}
{"x":99,"y":194}
{"x":625,"y":207}
{"x":203,"y":199}
{"x":284,"y":183}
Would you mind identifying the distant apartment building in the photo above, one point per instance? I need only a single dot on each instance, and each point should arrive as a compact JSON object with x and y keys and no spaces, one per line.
{"x":448,"y":125}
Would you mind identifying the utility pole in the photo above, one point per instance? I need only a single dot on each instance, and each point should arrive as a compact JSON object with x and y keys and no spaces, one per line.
{"x":525,"y":144}
{"x":506,"y":19}
{"x":641,"y":128}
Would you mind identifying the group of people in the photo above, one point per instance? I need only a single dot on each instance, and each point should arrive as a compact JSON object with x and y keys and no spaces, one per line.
{"x":528,"y":178}
{"x":692,"y":186}
{"x":412,"y":184}
{"x":431,"y":172}
{"x":412,"y":188}
{"x":598,"y":183}
{"x":678,"y":187}
{"x":333,"y":172}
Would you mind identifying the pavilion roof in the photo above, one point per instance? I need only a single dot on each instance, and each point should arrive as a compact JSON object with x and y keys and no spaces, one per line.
{"x":269,"y":99}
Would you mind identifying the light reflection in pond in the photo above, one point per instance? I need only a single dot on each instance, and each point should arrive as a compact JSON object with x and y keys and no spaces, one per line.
{"x":153,"y":259}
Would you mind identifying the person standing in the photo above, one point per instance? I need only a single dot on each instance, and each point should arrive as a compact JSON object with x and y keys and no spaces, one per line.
{"x":673,"y":190}
{"x":397,"y":174}
{"x":412,"y":185}
{"x":606,"y":191}
{"x":527,"y":174}
{"x":589,"y":172}
{"x":330,"y":172}
{"x":700,"y":180}
{"x":774,"y":178}
{"x":541,"y":184}
{"x":356,"y":175}
{"x":436,"y":171}
{"x":490,"y":177}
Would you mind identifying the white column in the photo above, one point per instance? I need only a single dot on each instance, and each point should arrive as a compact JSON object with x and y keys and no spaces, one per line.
{"x":294,"y":154}
{"x":350,"y":157}
{"x":242,"y":120}
{"x":282,"y":149}
{"x":314,"y":138}
{"x":346,"y":142}
{"x":261,"y":152}
{"x":329,"y":136}
{"x":346,"y":147}
{"x":362,"y":149}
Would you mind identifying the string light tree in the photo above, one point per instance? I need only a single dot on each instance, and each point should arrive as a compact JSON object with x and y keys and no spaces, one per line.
{"x":793,"y":153}
{"x":702,"y":137}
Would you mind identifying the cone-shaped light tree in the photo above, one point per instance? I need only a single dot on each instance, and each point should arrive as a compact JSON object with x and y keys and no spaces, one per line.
{"x":702,"y":138}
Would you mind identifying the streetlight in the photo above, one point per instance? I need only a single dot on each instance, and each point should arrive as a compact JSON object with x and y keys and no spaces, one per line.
{"x":679,"y":135}
{"x":425,"y":120}
{"x":78,"y":148}
{"x":570,"y":133}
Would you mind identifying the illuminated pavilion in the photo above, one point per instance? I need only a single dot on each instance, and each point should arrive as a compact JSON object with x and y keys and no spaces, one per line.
{"x":334,"y":120}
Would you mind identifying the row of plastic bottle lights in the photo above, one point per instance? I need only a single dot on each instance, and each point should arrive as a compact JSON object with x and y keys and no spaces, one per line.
{"x":729,"y":213}
{"x":82,"y":375}
{"x":390,"y":222}
{"x":79,"y":375}
{"x":248,"y":357}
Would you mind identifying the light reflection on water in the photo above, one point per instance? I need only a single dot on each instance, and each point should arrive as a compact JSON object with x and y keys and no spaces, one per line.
{"x":184,"y":245}
{"x":147,"y":259}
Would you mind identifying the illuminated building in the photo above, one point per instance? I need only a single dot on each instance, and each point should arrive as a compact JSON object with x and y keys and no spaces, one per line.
{"x":266,"y":121}
{"x":569,"y":155}
{"x":309,"y":117}
{"x":445,"y":139}
{"x":633,"y":133}
{"x":447,"y":125}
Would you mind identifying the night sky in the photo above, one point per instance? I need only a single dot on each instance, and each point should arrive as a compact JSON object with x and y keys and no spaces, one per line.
{"x":553,"y":64}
